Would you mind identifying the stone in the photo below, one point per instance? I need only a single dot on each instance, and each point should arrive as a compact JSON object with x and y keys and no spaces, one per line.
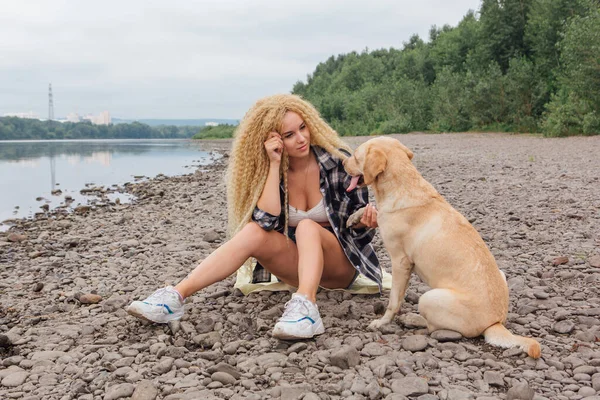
{"x":223,"y":377}
{"x":163,"y":366}
{"x":520,"y":391}
{"x":90,"y":298}
{"x":16,"y":238}
{"x":594,"y":261}
{"x":415,"y":343}
{"x":457,"y":394}
{"x":5,"y":341}
{"x":344,"y":358}
{"x":493,"y":378}
{"x":119,"y":391}
{"x":410,"y":386}
{"x":560,"y":260}
{"x":15,"y":379}
{"x":412,"y":320}
{"x":207,"y":340}
{"x":444,"y":335}
{"x":564,"y":326}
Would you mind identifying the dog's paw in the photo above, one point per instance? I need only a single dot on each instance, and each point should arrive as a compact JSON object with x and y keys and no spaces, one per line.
{"x":375,"y":325}
{"x":355,"y":218}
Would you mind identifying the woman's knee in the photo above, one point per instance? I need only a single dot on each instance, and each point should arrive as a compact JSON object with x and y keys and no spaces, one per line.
{"x":253,"y":234}
{"x":307,"y":228}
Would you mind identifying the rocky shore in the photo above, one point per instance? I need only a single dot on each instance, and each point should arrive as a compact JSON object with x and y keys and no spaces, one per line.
{"x":65,"y":279}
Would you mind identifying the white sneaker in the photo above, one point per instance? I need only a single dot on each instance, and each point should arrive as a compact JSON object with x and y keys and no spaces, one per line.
{"x":300,"y":320}
{"x":162,"y":306}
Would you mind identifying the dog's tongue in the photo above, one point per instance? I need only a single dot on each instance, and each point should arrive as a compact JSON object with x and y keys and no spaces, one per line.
{"x":353,"y":183}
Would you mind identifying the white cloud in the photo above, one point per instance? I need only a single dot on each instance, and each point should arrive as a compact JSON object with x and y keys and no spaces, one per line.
{"x":188,"y":59}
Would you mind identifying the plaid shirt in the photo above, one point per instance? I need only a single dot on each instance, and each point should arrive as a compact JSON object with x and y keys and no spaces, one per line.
{"x":339,"y":205}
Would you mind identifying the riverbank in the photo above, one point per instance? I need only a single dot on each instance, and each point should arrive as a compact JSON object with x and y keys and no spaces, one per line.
{"x":535,"y":201}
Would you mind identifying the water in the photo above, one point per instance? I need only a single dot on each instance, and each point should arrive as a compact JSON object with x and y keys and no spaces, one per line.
{"x":31,"y":170}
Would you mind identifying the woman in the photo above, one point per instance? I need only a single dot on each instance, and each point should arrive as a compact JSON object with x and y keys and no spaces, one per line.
{"x":285,"y":176}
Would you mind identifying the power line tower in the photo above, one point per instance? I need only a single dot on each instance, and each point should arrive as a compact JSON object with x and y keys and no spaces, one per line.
{"x":50,"y":103}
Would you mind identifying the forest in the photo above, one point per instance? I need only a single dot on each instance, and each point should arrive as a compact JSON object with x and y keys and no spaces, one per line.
{"x":512,"y":66}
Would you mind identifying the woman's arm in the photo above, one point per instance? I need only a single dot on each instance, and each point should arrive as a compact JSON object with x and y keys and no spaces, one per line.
{"x":269,"y":200}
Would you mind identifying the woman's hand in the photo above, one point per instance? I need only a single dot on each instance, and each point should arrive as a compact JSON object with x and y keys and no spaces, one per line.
{"x":274,"y":147}
{"x":369,"y":218}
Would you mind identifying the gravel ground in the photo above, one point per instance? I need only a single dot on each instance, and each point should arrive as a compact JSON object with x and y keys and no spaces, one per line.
{"x":65,"y":279}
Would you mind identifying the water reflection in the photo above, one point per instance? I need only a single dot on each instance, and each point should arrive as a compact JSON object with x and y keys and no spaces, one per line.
{"x":31,"y":171}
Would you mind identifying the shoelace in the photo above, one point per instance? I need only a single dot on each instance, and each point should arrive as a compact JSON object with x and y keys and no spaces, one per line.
{"x":293,"y":306}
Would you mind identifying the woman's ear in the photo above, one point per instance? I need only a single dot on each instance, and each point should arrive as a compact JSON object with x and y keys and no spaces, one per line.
{"x":374,"y":164}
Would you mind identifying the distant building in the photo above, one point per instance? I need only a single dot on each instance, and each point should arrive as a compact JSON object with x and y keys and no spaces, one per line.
{"x":102,"y":119}
{"x":27,"y":115}
{"x":73,"y":117}
{"x":212,"y":124}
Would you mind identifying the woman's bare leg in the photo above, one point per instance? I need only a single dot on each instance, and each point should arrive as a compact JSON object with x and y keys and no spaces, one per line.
{"x":321,"y":260}
{"x":252,"y":241}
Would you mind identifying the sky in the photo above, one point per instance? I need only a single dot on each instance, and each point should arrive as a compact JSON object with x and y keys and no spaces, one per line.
{"x":188,"y":59}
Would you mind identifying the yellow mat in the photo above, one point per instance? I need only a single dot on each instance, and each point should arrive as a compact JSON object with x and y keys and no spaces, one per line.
{"x":362,"y":284}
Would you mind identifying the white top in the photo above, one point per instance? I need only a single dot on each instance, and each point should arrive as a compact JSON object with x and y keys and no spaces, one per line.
{"x":317,"y":214}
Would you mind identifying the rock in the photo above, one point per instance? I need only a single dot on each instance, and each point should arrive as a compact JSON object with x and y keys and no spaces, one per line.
{"x":344,"y":358}
{"x":414,"y":343}
{"x":224,"y":367}
{"x":457,"y":394}
{"x":145,"y":390}
{"x":223,"y":377}
{"x":410,"y":386}
{"x":82,"y":209}
{"x":412,"y":320}
{"x":594,"y":261}
{"x":207,"y":340}
{"x":293,"y":392}
{"x":493,"y":378}
{"x":444,"y":335}
{"x":15,"y":379}
{"x":90,"y":298}
{"x":520,"y":391}
{"x":564,"y":326}
{"x":16,"y":238}
{"x":560,"y":260}
{"x":211,"y":236}
{"x":119,"y":391}
{"x":48,"y":355}
{"x":38,"y":287}
{"x":5,"y":341}
{"x":586,"y":392}
{"x":163,"y":366}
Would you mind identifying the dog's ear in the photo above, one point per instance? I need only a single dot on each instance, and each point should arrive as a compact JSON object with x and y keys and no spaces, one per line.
{"x":408,"y":152}
{"x":375,"y":163}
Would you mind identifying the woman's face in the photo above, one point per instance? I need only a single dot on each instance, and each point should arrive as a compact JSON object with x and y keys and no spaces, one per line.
{"x":295,"y":135}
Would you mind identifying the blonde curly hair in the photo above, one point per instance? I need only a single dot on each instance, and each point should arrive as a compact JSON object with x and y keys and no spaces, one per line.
{"x":249,"y":163}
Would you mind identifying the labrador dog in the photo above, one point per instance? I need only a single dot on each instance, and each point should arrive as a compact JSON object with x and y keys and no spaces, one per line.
{"x":425,"y":234}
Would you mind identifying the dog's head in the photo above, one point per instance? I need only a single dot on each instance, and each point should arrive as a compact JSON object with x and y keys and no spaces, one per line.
{"x":371,"y":158}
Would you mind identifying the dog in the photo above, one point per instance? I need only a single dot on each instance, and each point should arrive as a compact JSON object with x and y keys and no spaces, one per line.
{"x":425,"y":234}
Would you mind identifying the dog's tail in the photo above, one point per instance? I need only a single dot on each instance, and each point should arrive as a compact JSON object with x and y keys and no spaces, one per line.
{"x":498,"y":335}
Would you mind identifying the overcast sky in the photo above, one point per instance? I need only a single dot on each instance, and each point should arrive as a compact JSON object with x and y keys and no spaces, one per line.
{"x":188,"y":59}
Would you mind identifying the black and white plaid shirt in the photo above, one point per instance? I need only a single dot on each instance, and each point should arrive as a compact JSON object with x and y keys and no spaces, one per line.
{"x":339,"y":205}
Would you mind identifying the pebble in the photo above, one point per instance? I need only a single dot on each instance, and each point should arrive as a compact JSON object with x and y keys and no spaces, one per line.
{"x":410,"y":386}
{"x":344,"y":358}
{"x":223,"y":377}
{"x":414,"y":343}
{"x":520,"y":391}
{"x":15,"y":379}
{"x":564,"y":326}
{"x":119,"y":391}
{"x":145,"y":390}
{"x":444,"y":335}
